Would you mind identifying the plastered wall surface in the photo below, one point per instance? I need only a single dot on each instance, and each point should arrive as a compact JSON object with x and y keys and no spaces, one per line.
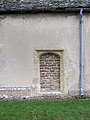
{"x":23,"y":36}
{"x":87,"y":54}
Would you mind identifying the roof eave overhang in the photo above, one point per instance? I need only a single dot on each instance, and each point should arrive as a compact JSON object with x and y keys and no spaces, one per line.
{"x":56,"y":10}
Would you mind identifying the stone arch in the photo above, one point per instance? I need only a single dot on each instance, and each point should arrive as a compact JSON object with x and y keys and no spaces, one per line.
{"x":49,"y":72}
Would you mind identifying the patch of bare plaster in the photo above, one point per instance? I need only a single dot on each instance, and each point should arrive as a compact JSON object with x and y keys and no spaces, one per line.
{"x":1,"y":57}
{"x":71,"y":75}
{"x":86,"y":88}
{"x":72,"y":69}
{"x":73,"y":89}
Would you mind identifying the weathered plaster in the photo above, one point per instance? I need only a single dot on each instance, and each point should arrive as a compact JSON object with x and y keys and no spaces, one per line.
{"x":23,"y":35}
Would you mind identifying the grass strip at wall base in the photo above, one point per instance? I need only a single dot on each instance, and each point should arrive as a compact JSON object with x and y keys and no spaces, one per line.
{"x":40,"y":110}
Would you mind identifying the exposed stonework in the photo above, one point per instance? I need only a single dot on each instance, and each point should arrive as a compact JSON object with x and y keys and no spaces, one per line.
{"x":19,"y":92}
{"x":50,"y":72}
{"x":41,"y":5}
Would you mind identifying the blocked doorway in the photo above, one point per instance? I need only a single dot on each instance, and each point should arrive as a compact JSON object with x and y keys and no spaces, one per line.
{"x":49,"y":72}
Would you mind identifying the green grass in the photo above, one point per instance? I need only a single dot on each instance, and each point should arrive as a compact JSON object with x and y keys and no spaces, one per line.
{"x":26,"y":110}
